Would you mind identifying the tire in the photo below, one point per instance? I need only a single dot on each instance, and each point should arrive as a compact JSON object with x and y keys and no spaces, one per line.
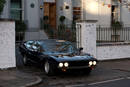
{"x":87,"y":71}
{"x":25,"y":60}
{"x":48,"y":68}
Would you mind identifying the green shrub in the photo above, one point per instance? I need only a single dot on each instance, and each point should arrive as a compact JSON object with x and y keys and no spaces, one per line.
{"x":2,"y":2}
{"x":20,"y":26}
{"x":62,"y":19}
{"x":117,"y":24}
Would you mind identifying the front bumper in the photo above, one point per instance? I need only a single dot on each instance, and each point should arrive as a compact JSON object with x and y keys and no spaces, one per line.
{"x":76,"y":68}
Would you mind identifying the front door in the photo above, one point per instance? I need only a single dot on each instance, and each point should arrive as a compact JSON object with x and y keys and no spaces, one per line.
{"x":50,"y":11}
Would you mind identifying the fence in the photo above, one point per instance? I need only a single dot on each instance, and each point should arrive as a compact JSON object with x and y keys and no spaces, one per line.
{"x":65,"y":32}
{"x":113,"y":34}
{"x":19,"y":36}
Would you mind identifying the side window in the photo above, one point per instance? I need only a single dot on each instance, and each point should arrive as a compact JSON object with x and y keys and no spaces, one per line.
{"x":29,"y":45}
{"x":34,"y":46}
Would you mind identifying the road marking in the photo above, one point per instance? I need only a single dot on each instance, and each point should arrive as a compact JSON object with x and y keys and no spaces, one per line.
{"x":105,"y":81}
{"x":78,"y":85}
{"x":128,"y":77}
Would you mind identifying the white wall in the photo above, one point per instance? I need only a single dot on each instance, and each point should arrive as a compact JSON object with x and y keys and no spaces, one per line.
{"x":90,"y":8}
{"x":125,"y":16}
{"x":64,"y":12}
{"x":59,"y":12}
{"x":95,"y":10}
{"x":32,"y":15}
{"x":76,"y":3}
{"x":113,"y":52}
{"x":7,"y":44}
{"x":86,"y":36}
{"x":104,"y":13}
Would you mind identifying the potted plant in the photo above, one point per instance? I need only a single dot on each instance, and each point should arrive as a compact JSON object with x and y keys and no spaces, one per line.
{"x":116,"y":27}
{"x":61,"y":27}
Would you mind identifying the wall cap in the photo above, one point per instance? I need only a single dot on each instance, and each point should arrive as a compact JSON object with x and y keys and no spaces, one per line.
{"x":6,"y":20}
{"x":91,"y":21}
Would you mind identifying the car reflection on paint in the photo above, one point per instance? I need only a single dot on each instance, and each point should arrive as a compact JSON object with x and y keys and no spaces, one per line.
{"x":56,"y":55}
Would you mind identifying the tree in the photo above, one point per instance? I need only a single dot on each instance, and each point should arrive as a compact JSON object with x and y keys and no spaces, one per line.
{"x":2,"y":2}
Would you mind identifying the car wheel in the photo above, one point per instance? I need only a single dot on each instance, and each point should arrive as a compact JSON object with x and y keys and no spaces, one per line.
{"x":48,"y":68}
{"x":25,"y":61}
{"x":87,"y":71}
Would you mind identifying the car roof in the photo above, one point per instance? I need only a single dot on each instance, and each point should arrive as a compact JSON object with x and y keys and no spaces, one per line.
{"x":49,"y":40}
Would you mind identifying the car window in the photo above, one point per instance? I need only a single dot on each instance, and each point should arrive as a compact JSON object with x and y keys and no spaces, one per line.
{"x":60,"y":47}
{"x":33,"y":46}
{"x":28,"y":44}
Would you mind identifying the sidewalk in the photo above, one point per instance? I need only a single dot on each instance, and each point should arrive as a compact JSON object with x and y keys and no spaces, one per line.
{"x":16,"y":78}
{"x":121,"y":64}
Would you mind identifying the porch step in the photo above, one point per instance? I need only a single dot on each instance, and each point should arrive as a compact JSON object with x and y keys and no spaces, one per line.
{"x":38,"y":35}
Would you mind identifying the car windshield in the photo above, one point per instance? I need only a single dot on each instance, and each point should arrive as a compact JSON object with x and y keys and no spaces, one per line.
{"x":55,"y":46}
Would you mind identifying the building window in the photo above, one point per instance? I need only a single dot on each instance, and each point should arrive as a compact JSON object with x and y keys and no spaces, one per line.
{"x":66,"y":7}
{"x":114,"y":13}
{"x":76,"y":13}
{"x":16,"y":9}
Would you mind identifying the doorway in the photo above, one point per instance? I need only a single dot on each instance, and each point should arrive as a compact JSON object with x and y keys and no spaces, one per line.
{"x":50,"y":13}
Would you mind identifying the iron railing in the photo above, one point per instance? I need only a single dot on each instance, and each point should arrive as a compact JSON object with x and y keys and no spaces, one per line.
{"x":113,"y":34}
{"x":64,"y":32}
{"x":19,"y":37}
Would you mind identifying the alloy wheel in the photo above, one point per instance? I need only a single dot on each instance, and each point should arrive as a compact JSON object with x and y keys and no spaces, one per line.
{"x":46,"y":67}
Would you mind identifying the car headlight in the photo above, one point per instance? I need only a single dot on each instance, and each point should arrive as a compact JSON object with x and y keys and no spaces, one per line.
{"x":66,"y":64}
{"x":90,"y":63}
{"x":60,"y":64}
{"x":94,"y":62}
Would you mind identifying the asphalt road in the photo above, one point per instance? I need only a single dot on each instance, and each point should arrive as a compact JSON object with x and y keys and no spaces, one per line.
{"x":120,"y":82}
{"x":106,"y":74}
{"x":117,"y":83}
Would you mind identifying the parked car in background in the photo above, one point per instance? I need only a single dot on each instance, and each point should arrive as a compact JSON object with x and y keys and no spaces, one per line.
{"x":56,"y":55}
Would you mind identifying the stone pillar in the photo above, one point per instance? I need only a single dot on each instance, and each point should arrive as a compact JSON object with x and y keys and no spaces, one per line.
{"x":64,"y":8}
{"x":86,"y":36}
{"x":32,"y":14}
{"x":7,"y":44}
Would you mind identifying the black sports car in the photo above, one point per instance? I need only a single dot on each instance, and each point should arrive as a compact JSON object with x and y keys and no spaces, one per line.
{"x":56,"y":55}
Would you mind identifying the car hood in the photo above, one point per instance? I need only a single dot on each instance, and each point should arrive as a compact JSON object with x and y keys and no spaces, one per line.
{"x":69,"y":57}
{"x":72,"y":58}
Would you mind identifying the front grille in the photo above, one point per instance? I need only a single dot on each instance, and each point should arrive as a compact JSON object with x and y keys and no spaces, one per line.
{"x":78,"y":63}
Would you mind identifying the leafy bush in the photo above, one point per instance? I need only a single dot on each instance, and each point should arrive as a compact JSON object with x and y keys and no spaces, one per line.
{"x":20,"y":26}
{"x":20,"y":30}
{"x":2,"y":2}
{"x":62,"y":19}
{"x":117,"y":24}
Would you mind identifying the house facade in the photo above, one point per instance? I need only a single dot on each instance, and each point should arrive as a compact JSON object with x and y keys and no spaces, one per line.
{"x":29,"y":11}
{"x":107,"y":11}
{"x":33,"y":12}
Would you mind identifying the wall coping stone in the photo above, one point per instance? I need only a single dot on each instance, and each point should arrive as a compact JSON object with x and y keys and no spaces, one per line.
{"x":91,"y":21}
{"x":113,"y":44}
{"x":6,"y":20}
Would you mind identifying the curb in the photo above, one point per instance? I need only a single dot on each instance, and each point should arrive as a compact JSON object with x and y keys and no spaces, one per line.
{"x":39,"y":80}
{"x":118,"y":59}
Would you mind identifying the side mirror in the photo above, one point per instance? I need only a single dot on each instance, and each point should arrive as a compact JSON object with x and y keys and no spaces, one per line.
{"x":80,"y":49}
